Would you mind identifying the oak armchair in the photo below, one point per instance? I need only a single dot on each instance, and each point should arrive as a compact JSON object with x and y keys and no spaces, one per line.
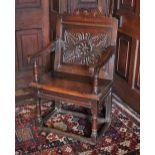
{"x":83,"y":70}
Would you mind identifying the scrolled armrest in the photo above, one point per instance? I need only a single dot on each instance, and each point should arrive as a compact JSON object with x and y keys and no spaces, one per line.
{"x":33,"y":58}
{"x":46,"y":50}
{"x":106,"y":54}
{"x":95,"y":68}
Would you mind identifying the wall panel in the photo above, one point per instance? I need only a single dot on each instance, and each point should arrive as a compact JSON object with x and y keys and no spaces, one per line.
{"x":123,"y":55}
{"x":28,"y":42}
{"x":127,"y":74}
{"x":32,"y":34}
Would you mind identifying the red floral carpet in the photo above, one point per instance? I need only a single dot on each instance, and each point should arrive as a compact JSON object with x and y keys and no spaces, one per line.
{"x":122,"y":138}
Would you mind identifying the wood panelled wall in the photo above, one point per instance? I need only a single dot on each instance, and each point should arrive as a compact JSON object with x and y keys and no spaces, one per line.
{"x":32,"y":34}
{"x":127,"y":73}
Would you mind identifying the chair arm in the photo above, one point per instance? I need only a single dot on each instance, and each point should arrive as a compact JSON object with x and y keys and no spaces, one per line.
{"x":33,"y":58}
{"x":106,"y":54}
{"x":46,"y":50}
{"x":95,"y":68}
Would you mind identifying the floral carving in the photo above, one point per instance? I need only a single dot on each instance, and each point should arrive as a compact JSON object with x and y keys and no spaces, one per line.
{"x":83,"y":47}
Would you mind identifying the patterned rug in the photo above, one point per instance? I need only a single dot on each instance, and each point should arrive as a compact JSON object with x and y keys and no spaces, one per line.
{"x":122,"y":138}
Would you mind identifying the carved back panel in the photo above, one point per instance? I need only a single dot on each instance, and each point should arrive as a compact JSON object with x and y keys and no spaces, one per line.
{"x":82,"y":39}
{"x":83,"y":48}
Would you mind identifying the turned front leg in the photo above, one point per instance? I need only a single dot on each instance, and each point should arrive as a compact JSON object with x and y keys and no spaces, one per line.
{"x":94,"y":110}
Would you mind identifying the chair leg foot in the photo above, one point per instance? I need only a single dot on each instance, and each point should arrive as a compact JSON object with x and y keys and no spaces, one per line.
{"x":94,"y":111}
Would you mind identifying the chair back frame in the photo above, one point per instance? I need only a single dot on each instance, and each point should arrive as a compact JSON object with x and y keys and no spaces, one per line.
{"x":81,"y":39}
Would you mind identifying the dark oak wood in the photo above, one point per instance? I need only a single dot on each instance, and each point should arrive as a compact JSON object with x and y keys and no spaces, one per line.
{"x":84,"y":54}
{"x":127,"y":12}
{"x":36,"y":25}
{"x":126,"y":79}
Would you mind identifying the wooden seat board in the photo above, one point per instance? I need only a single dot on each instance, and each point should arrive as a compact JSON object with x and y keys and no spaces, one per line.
{"x":72,"y":85}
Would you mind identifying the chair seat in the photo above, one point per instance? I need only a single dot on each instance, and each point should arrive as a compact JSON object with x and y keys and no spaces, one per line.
{"x":72,"y":85}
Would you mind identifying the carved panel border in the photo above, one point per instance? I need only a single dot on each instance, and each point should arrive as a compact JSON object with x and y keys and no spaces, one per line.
{"x":83,"y":48}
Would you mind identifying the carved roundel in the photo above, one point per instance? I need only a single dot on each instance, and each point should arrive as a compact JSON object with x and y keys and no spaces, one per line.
{"x":83,"y":48}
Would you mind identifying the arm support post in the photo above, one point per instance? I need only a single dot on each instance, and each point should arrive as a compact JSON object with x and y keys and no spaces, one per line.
{"x":95,"y":84}
{"x":96,"y":67}
{"x":35,"y":71}
{"x":34,"y":59}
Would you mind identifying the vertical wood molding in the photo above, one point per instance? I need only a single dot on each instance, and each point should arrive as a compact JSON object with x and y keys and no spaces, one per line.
{"x":137,"y":75}
{"x":46,"y":23}
{"x":123,"y":55}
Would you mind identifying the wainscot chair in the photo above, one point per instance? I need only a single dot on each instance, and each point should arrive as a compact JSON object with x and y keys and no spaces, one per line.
{"x":83,"y":70}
